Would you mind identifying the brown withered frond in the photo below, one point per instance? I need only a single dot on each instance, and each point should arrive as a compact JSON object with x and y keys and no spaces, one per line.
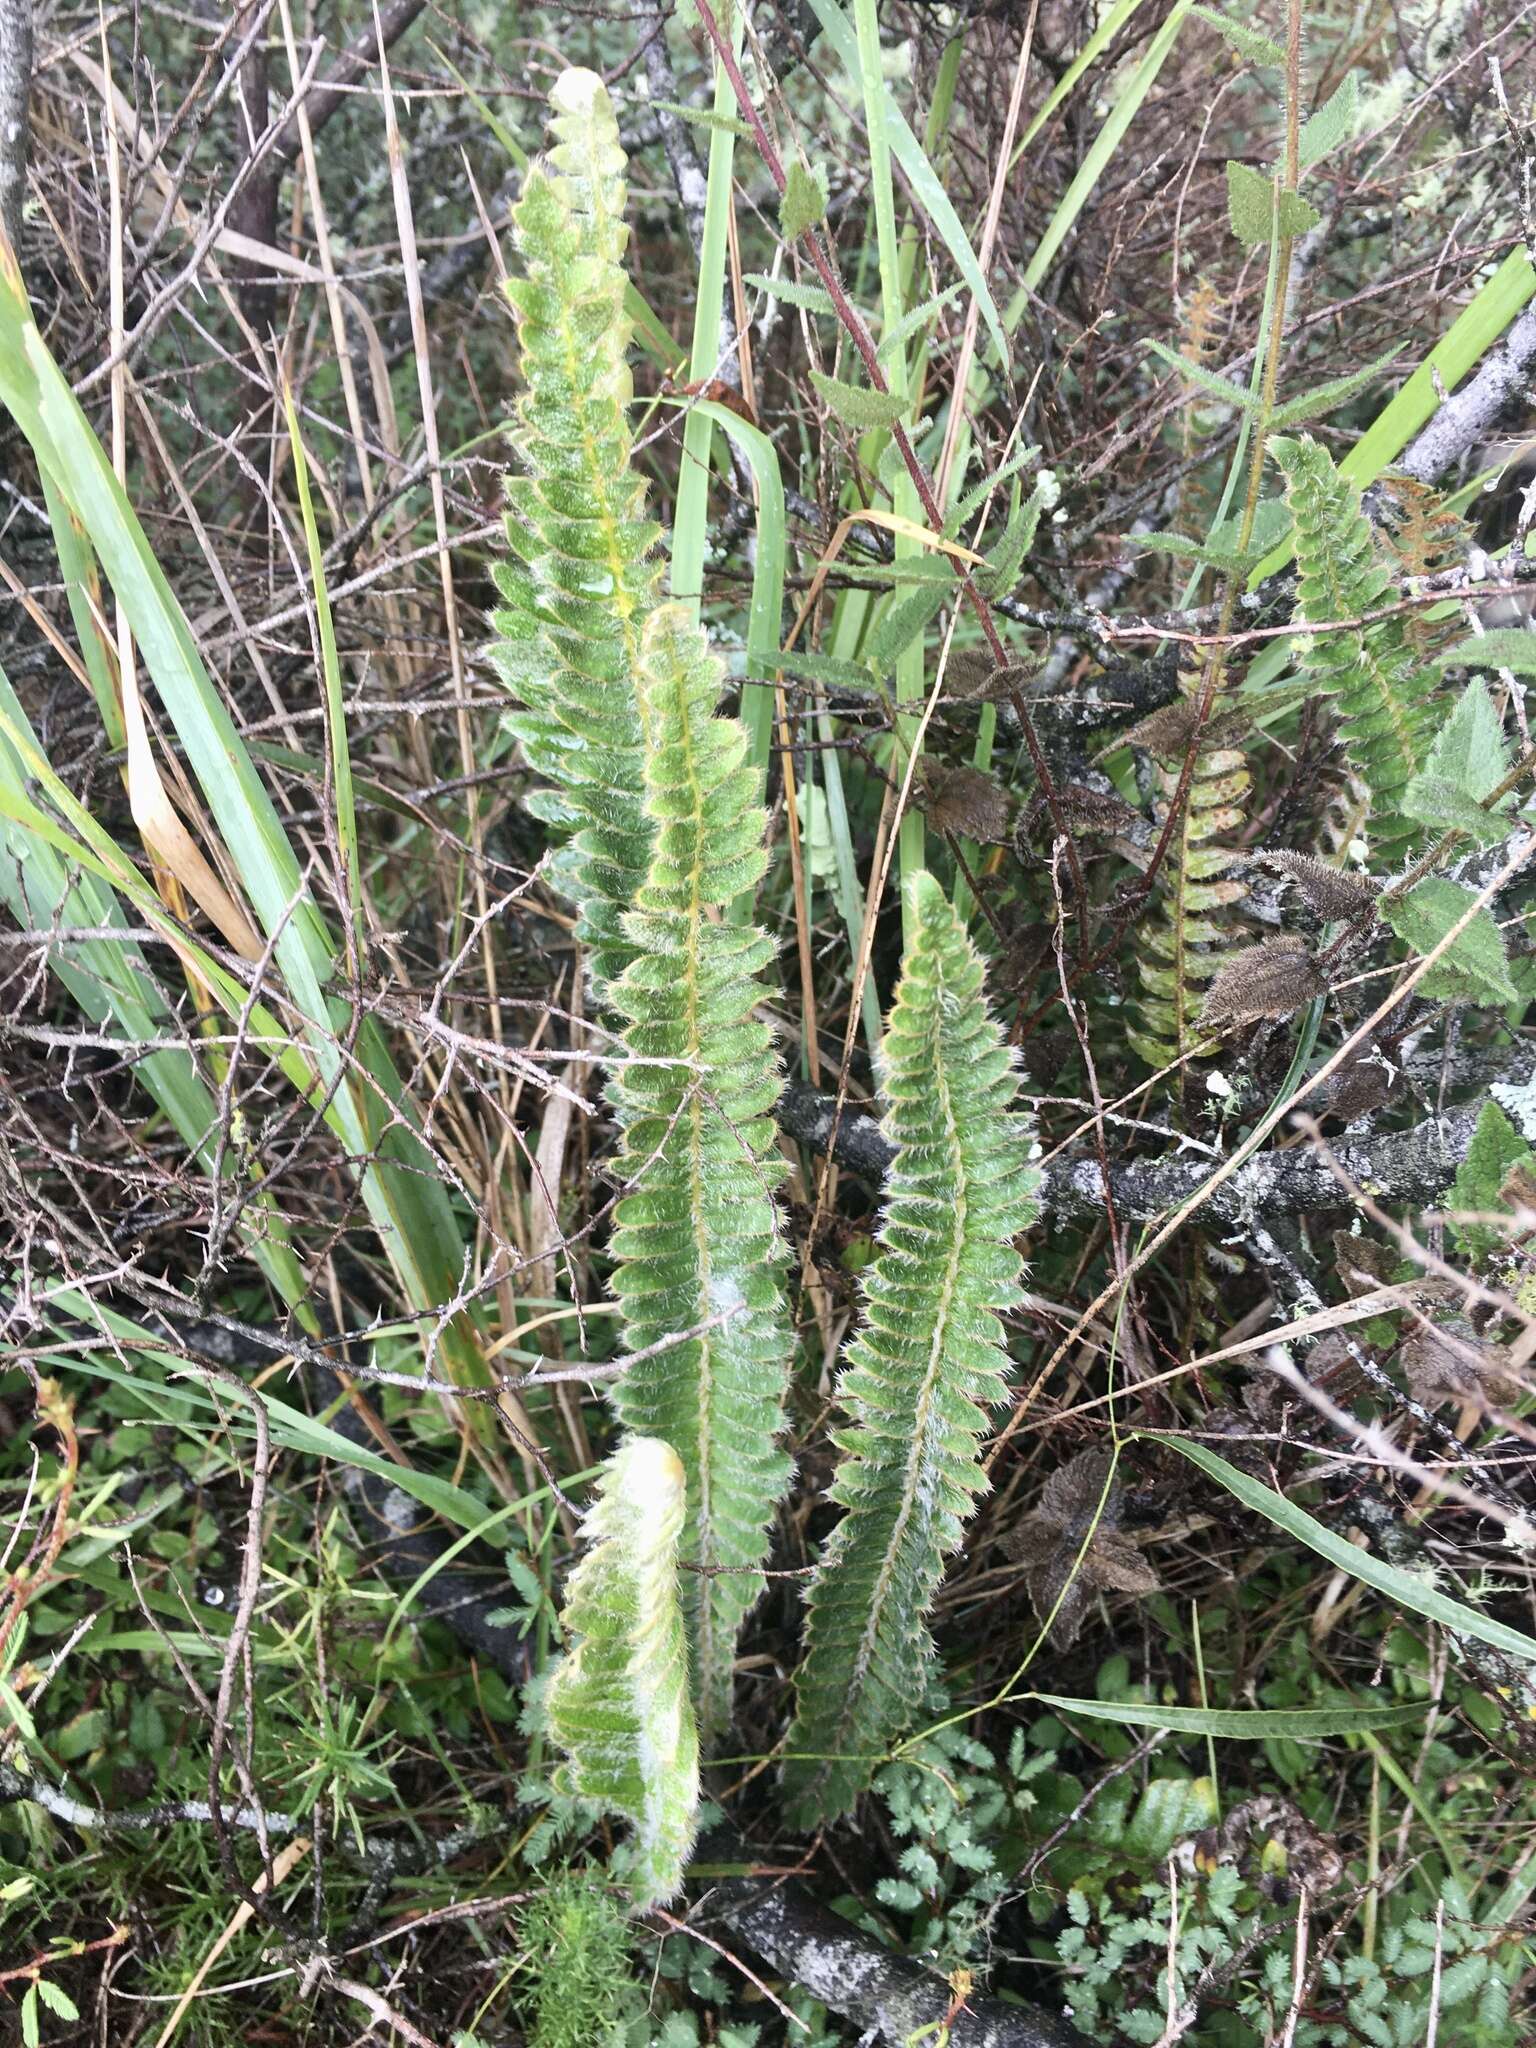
{"x":1270,"y":980}
{"x":1167,"y":732}
{"x":1332,"y":892}
{"x":964,"y":801}
{"x":1047,"y":1542}
{"x":1450,"y":1362}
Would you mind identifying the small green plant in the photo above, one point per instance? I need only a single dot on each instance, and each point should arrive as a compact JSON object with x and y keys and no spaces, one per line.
{"x":576,"y":1940}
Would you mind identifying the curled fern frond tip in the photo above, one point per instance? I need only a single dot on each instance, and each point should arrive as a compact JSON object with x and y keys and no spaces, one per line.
{"x":619,"y":1703}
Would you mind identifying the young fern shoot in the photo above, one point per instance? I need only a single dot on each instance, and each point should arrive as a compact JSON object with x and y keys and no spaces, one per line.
{"x":583,"y":573}
{"x":619,"y":1703}
{"x":925,"y":1367}
{"x":696,"y":1235}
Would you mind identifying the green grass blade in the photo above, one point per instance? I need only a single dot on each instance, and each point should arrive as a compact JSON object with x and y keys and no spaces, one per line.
{"x":345,"y":807}
{"x":690,"y":524}
{"x":1404,"y":1589}
{"x":1240,"y":1724}
{"x":898,"y":138}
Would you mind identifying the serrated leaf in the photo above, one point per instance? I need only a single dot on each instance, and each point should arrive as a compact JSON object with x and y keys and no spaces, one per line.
{"x":829,"y":670}
{"x":1476,"y":967}
{"x":790,"y":289}
{"x":804,"y":200}
{"x":1470,"y":755}
{"x":1196,"y":373}
{"x":1496,"y":1146}
{"x":1246,"y":41}
{"x":1505,"y":647}
{"x":901,"y":622}
{"x":857,"y":405}
{"x":915,"y":321}
{"x":1255,"y":211}
{"x":1333,"y":123}
{"x":1313,"y":405}
{"x":926,"y":1366}
{"x":705,"y":117}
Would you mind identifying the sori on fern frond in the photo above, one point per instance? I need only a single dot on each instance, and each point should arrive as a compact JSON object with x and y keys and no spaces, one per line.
{"x":927,"y":1364}
{"x":619,"y":1703}
{"x":583,"y":574}
{"x":696,"y":1237}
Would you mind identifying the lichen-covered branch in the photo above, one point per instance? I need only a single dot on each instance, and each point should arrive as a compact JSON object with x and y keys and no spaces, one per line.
{"x":1413,"y":1166}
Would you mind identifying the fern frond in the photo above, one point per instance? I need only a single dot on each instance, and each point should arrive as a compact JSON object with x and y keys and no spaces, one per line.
{"x":618,"y":1704}
{"x":927,"y":1364}
{"x":1380,"y":687}
{"x":1183,"y":948}
{"x":695,"y":1236}
{"x":582,"y":575}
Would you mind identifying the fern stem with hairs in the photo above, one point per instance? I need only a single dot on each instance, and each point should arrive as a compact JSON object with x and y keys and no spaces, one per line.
{"x":925,"y":1367}
{"x":582,"y":577}
{"x":695,"y":1234}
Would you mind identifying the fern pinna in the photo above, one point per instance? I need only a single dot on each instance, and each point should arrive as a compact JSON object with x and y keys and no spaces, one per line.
{"x":619,"y":1704}
{"x":924,"y":1368}
{"x":695,"y":1234}
{"x":1182,"y":949}
{"x":1379,"y":684}
{"x":582,"y":577}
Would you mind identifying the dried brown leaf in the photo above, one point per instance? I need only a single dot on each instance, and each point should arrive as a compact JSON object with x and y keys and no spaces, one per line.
{"x":1450,"y":1362}
{"x":1270,"y":980}
{"x":1048,"y":1540}
{"x":1168,"y":731}
{"x":966,"y":802}
{"x":1332,"y":892}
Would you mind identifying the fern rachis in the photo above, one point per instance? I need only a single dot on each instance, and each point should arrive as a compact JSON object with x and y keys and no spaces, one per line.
{"x":924,"y":1367}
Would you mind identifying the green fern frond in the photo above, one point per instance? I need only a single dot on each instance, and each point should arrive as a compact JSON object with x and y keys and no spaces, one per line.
{"x":924,"y":1369}
{"x":695,"y":1235}
{"x":618,"y":1704}
{"x":582,"y":575}
{"x":1380,"y":686}
{"x":1183,"y":948}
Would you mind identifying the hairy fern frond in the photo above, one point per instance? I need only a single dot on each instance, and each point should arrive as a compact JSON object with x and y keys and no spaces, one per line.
{"x":695,"y":1235}
{"x":1184,"y":946}
{"x":1380,"y":686}
{"x":619,"y":1703}
{"x":925,"y":1367}
{"x":582,"y":577}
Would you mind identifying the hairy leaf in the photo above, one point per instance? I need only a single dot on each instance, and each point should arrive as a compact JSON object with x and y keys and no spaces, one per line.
{"x":618,"y":1705}
{"x":1475,"y":967}
{"x":1467,"y":760}
{"x":1496,"y":1148}
{"x":695,"y":1234}
{"x":1508,"y":647}
{"x":1255,"y":210}
{"x":582,"y":575}
{"x":805,"y":199}
{"x":1382,"y":693}
{"x":924,"y":1368}
{"x":858,"y":405}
